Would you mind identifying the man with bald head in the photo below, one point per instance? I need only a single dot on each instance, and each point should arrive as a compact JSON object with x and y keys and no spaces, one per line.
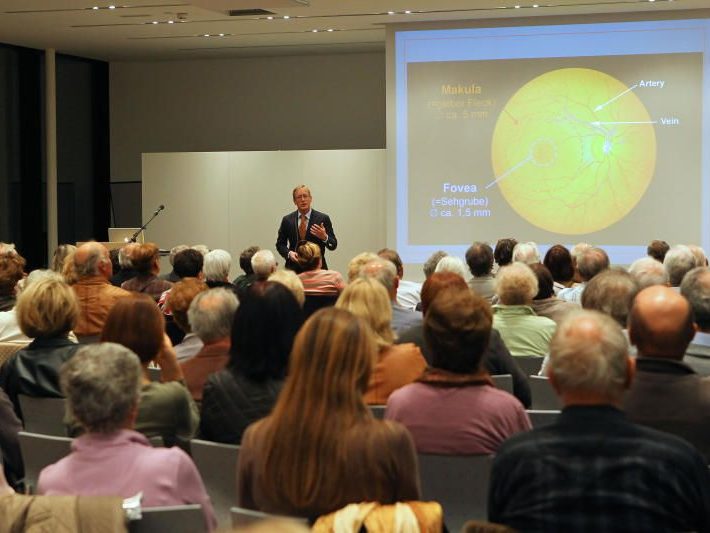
{"x":593,"y":469}
{"x":667,"y":394}
{"x":96,"y":295}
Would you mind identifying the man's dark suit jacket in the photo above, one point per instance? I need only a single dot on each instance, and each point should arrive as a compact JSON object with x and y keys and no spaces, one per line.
{"x":287,"y":239}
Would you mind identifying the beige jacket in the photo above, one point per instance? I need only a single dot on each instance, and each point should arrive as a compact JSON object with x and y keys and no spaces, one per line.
{"x":96,"y":298}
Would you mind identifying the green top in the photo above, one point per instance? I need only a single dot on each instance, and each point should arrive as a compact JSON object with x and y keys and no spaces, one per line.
{"x":523,"y":332}
{"x":167,"y":410}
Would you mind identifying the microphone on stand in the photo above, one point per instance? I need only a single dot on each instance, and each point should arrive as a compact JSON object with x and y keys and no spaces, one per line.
{"x":142,"y":228}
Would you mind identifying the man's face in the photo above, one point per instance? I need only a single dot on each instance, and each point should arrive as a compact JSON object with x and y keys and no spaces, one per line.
{"x":302,"y":199}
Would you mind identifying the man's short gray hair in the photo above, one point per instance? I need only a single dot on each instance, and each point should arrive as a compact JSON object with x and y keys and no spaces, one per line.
{"x":701,"y":258}
{"x":95,"y":256}
{"x":452,"y":264}
{"x":526,"y":252}
{"x":430,"y":264}
{"x":173,"y":252}
{"x":696,"y":289}
{"x":591,"y":262}
{"x":516,"y":284}
{"x":611,"y":292}
{"x":217,"y":265}
{"x":263,"y":263}
{"x":589,"y":353}
{"x":678,"y":262}
{"x":382,"y":270}
{"x":647,"y":272}
{"x":102,"y":383}
{"x":124,"y":259}
{"x":211,"y":313}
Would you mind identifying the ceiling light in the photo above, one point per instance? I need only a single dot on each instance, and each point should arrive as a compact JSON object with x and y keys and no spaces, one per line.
{"x":171,"y":22}
{"x":407,"y":12}
{"x":330,"y":29}
{"x":535,"y":5}
{"x":390,"y":12}
{"x":206,"y":35}
{"x":95,"y":7}
{"x":269,"y":18}
{"x":286,"y":17}
{"x":221,"y":34}
{"x":112,"y":7}
{"x":154,"y":22}
{"x":314,"y":31}
{"x":517,"y":7}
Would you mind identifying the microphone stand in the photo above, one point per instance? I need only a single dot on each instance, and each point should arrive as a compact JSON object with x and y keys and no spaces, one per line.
{"x":144,"y":226}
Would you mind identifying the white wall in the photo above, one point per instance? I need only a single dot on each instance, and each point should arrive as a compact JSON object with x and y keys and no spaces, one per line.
{"x":233,"y":200}
{"x":313,"y":102}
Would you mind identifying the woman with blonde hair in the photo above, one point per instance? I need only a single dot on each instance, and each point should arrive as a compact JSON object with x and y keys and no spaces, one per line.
{"x":316,"y":281}
{"x":397,"y":364}
{"x":321,"y":448}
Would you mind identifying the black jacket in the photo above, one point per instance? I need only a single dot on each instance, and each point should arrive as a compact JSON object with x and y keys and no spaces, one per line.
{"x":287,"y":239}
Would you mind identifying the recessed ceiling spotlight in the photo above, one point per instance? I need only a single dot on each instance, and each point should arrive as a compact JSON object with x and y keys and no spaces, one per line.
{"x":535,"y":5}
{"x":286,"y":17}
{"x":206,"y":35}
{"x":171,"y":22}
{"x":112,"y":7}
{"x":154,"y":22}
{"x":330,"y":29}
{"x":269,"y":18}
{"x":221,"y":34}
{"x":314,"y":31}
{"x":517,"y":7}
{"x":407,"y":12}
{"x":95,"y":7}
{"x":389,"y":12}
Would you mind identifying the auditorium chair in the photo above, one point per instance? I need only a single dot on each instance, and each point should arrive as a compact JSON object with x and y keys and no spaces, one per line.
{"x":175,"y":519}
{"x":214,"y":460}
{"x":543,"y":395}
{"x":378,"y":411}
{"x":313,"y":303}
{"x":43,"y":415}
{"x":244,"y":517}
{"x":39,"y":451}
{"x":529,"y":364}
{"x":7,"y":349}
{"x":542,"y":417}
{"x":459,"y":483}
{"x":504,"y":382}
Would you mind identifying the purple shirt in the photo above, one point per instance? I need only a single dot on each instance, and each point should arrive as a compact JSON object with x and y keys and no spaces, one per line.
{"x":472,"y":419}
{"x":122,"y":464}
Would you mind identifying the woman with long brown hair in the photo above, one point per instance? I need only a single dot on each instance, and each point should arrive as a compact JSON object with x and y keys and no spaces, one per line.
{"x":321,"y":448}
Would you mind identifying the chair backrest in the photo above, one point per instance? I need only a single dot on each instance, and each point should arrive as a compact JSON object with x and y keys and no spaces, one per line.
{"x":217,"y":464}
{"x":459,"y":483}
{"x":39,"y":451}
{"x":542,"y":417}
{"x":543,"y":395}
{"x":244,"y":517}
{"x":529,"y":364}
{"x":504,"y":382}
{"x":154,"y":374}
{"x":9,"y":348}
{"x":175,"y":519}
{"x":378,"y":411}
{"x":43,"y":415}
{"x":313,"y":303}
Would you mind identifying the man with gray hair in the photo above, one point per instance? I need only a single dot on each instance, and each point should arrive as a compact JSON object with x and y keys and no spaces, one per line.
{"x":386,"y":273}
{"x":216,"y":267}
{"x":264,"y":264}
{"x":648,"y":271}
{"x":696,"y":289}
{"x":430,"y":264}
{"x":210,"y":315}
{"x":590,"y":262}
{"x":93,"y":289}
{"x":678,"y":262}
{"x":526,"y":252}
{"x":593,"y":469}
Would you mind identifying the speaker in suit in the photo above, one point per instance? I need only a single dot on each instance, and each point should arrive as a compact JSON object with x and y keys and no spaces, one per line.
{"x":318,"y":229}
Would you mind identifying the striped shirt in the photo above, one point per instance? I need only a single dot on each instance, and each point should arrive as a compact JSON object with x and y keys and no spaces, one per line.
{"x":322,"y":282}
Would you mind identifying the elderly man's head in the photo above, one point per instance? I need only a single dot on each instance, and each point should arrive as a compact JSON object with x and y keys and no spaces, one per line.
{"x":589,"y":361}
{"x":452,"y":264}
{"x":678,"y":262}
{"x":516,"y":284}
{"x":217,"y":265}
{"x":479,"y":258}
{"x":383,"y":271}
{"x":696,"y":289}
{"x":433,"y":260}
{"x":102,"y":383}
{"x":356,"y":264}
{"x":661,"y":323}
{"x":590,"y":262}
{"x":526,"y":252}
{"x":263,"y":263}
{"x":92,"y":259}
{"x":648,"y":271}
{"x":611,"y":292}
{"x":391,"y":255}
{"x":211,"y":314}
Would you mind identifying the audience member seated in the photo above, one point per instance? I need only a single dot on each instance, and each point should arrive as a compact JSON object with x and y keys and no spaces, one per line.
{"x":166,"y":409}
{"x":210,"y":315}
{"x":61,"y":253}
{"x":290,"y":280}
{"x":657,"y":250}
{"x":545,"y":303}
{"x":178,"y":301}
{"x":92,"y":267}
{"x":496,"y":358}
{"x":430,"y":264}
{"x":647,"y":272}
{"x":503,"y":252}
{"x":146,"y":262}
{"x":316,"y":281}
{"x":701,"y":259}
{"x":559,"y":262}
{"x":667,"y":394}
{"x":408,"y":292}
{"x":593,"y":469}
{"x":103,"y":386}
{"x":125,"y":271}
{"x":526,"y":252}
{"x":479,"y":258}
{"x":10,"y":454}
{"x":47,"y":311}
{"x":590,"y":262}
{"x":678,"y":262}
{"x":576,"y":253}
{"x":386,"y":273}
{"x":172,"y":276}
{"x":523,"y":332}
{"x":188,"y":264}
{"x":696,"y":289}
{"x":356,"y":263}
{"x":12,"y":270}
{"x":611,"y":292}
{"x":452,"y":264}
{"x":243,"y":282}
{"x":321,"y":448}
{"x":454,"y":408}
{"x":216,"y":267}
{"x":397,"y":364}
{"x":263,"y":330}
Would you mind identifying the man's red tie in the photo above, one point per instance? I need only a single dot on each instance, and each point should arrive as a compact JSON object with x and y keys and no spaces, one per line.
{"x":302,"y":228}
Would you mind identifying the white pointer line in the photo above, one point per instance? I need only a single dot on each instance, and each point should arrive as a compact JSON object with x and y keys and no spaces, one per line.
{"x":641,"y":122}
{"x":602,"y":106}
{"x":509,"y":171}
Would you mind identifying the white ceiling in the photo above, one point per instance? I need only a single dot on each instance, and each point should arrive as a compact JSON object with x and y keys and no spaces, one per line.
{"x":159,"y":29}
